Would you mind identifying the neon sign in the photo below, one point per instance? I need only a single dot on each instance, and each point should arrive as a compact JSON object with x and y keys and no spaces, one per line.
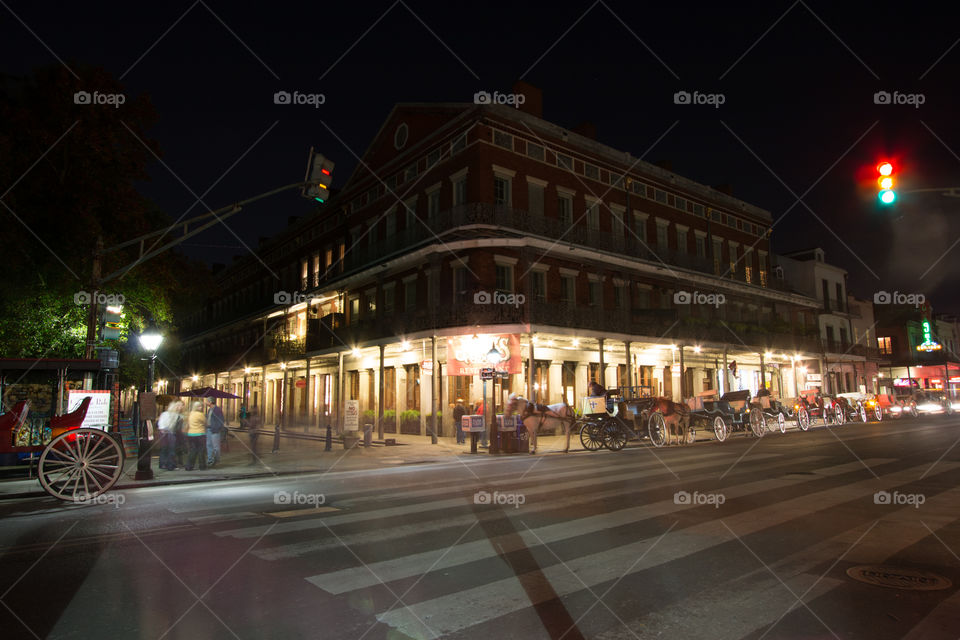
{"x":928,"y":344}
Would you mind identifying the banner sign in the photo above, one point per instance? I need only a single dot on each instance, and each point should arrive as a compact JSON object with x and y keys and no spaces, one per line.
{"x":351,"y":416}
{"x":98,"y":413}
{"x":468,"y":354}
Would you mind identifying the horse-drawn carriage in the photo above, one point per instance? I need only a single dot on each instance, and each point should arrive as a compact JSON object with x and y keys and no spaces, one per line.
{"x":610,"y":421}
{"x":812,"y":406}
{"x":859,"y":406}
{"x":733,"y":411}
{"x":75,"y":464}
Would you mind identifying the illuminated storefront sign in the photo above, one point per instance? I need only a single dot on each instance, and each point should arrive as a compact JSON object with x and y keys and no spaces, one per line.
{"x":466,"y":355}
{"x":928,"y":344}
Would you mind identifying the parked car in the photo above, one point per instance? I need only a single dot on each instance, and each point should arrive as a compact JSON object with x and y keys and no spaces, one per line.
{"x":933,"y":403}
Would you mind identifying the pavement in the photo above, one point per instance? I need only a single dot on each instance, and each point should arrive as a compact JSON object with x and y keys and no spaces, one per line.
{"x":298,"y":454}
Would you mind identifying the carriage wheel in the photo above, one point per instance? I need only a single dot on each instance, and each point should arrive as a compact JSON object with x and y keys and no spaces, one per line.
{"x":781,"y":423}
{"x":803,"y":419}
{"x":839,"y":416}
{"x":590,"y":436}
{"x":80,"y":464}
{"x":614,"y":435}
{"x":720,"y":428}
{"x":878,"y":412}
{"x":757,"y":422}
{"x":862,"y":412}
{"x":913,"y":410}
{"x":657,"y":428}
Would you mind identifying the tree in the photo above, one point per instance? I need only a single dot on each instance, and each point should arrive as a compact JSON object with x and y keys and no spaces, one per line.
{"x":73,"y":152}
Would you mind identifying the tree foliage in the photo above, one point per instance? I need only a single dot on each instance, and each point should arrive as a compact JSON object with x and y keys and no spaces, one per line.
{"x":68,"y":177}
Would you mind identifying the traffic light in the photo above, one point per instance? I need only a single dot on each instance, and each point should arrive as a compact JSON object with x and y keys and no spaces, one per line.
{"x":111,"y":323}
{"x":319,"y":176}
{"x":885,"y":182}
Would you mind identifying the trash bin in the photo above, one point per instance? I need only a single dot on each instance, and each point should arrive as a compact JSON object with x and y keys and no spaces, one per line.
{"x":367,"y":435}
{"x":523,"y":439}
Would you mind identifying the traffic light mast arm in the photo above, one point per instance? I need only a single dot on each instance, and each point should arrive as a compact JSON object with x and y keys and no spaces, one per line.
{"x":951,"y":192}
{"x":219,"y":216}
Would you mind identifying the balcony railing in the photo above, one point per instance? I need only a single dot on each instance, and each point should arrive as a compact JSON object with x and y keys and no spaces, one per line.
{"x":506,"y":221}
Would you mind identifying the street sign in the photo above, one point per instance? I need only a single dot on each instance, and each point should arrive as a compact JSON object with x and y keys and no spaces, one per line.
{"x":503,"y":375}
{"x":487,"y":373}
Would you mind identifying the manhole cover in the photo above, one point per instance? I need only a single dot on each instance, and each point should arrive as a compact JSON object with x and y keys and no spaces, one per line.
{"x":899,"y":578}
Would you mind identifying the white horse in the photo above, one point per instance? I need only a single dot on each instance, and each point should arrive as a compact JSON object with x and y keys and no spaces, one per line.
{"x":536,"y":416}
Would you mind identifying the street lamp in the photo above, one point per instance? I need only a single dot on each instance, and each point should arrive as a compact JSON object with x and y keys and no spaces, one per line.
{"x":150,"y":341}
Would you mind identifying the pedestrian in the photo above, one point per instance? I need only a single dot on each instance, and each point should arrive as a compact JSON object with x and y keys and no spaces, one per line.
{"x":197,"y":438}
{"x":166,"y":425}
{"x":216,"y":425}
{"x":458,"y":413}
{"x":253,"y":430}
{"x":180,"y":433}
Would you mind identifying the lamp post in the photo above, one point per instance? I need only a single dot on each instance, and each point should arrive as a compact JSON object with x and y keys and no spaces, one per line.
{"x":150,"y":341}
{"x":493,"y":358}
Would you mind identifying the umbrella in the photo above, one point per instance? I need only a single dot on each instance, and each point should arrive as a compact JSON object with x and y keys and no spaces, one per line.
{"x":206,"y":392}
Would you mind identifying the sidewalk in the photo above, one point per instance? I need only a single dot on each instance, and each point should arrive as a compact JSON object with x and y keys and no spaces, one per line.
{"x":295,"y":456}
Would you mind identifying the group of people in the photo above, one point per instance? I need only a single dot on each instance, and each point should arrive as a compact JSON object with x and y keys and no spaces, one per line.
{"x":458,"y":412}
{"x":191,"y":440}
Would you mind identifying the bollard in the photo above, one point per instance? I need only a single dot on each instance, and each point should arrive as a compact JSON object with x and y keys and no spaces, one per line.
{"x":367,"y":435}
{"x":473,"y":442}
{"x":276,"y":439}
{"x":329,"y":439}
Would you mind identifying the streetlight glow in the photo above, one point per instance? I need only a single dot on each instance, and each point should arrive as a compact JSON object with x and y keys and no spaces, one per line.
{"x":150,"y":341}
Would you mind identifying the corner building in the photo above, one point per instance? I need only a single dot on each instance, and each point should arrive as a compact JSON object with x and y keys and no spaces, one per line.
{"x":472,"y":227}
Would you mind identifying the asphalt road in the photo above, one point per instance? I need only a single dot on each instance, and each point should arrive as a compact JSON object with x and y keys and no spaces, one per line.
{"x":750,"y":538}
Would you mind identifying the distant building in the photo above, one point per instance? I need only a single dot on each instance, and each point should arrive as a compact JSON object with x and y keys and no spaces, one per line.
{"x":468,"y":228}
{"x":922,"y":347}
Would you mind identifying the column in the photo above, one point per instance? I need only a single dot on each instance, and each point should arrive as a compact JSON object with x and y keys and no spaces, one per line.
{"x":683,"y":377}
{"x":434,"y":389}
{"x":602,"y":372}
{"x":626,"y":344}
{"x":824,"y":377}
{"x":530,"y":369}
{"x":308,"y":394}
{"x":338,"y":401}
{"x":555,"y":382}
{"x":580,"y":381}
{"x":763,"y":372}
{"x":380,"y":395}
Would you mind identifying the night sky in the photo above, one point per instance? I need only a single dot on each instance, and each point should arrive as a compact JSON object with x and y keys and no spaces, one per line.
{"x":798,"y":120}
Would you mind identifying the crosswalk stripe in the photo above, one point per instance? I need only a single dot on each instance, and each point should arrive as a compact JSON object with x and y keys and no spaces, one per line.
{"x":450,"y":503}
{"x":456,"y":611}
{"x":444,"y":520}
{"x":413,"y":565}
{"x":765,"y":599}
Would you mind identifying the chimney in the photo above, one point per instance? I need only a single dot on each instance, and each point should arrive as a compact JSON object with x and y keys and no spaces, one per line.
{"x":586,"y":129}
{"x":532,"y":98}
{"x":724,"y":188}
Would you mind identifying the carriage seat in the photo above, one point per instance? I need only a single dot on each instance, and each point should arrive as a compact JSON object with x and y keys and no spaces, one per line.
{"x":11,"y":421}
{"x":72,"y":420}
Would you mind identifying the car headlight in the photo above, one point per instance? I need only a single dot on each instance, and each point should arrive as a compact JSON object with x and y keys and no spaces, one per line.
{"x":929,"y":406}
{"x":896,"y":409}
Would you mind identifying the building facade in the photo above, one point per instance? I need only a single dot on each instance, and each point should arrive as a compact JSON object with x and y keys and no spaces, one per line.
{"x":473,"y":233}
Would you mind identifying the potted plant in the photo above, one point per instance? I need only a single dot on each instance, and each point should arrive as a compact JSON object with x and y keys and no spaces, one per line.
{"x":350,"y":439}
{"x":390,"y":421}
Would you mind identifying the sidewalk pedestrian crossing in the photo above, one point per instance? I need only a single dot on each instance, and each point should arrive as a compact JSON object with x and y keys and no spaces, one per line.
{"x":618,"y":549}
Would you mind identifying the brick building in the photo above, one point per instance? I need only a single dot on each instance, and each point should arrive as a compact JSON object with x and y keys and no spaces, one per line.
{"x":468,"y":228}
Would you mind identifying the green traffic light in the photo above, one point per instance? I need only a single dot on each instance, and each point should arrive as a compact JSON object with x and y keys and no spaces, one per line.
{"x":320,"y":200}
{"x":887,"y":196}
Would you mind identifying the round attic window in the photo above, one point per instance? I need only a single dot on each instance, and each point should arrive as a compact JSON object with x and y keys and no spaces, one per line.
{"x":400,"y":137}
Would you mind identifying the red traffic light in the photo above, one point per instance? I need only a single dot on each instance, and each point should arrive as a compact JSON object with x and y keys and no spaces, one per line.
{"x":885,"y":168}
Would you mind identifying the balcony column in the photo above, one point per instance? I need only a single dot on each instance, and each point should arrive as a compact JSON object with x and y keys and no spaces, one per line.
{"x":380,"y":395}
{"x":581,"y":380}
{"x":434,"y":389}
{"x":824,"y":377}
{"x":796,"y":383}
{"x":763,"y":373}
{"x":555,"y":381}
{"x":626,"y":343}
{"x":338,"y":400}
{"x":724,"y":380}
{"x":683,"y":377}
{"x":602,"y":372}
{"x":308,"y":395}
{"x":530,"y":369}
